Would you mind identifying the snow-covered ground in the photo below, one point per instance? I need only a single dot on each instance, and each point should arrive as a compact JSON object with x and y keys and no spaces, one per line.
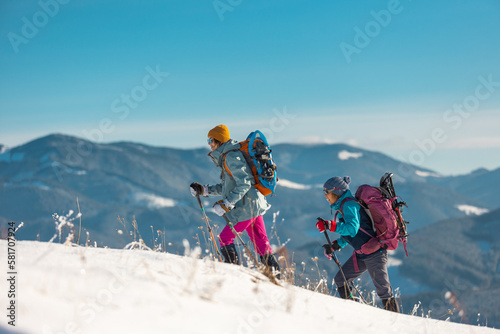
{"x":64,"y":289}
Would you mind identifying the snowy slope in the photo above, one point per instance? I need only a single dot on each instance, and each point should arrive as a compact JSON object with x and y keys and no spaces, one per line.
{"x":64,"y":289}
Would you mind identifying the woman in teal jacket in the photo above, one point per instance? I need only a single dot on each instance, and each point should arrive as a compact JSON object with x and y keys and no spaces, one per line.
{"x":355,"y":228}
{"x":241,"y":202}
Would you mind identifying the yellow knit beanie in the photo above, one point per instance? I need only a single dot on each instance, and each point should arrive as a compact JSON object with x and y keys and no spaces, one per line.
{"x":220,"y":132}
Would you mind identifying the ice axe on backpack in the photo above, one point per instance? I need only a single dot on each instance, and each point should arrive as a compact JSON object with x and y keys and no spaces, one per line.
{"x":336,"y":259}
{"x":387,"y":189}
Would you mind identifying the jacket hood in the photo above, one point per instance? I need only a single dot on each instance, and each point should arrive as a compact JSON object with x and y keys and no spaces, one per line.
{"x":217,"y":154}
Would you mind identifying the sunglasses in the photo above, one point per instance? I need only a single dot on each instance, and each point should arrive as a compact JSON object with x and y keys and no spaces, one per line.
{"x":327,"y":191}
{"x":210,"y":141}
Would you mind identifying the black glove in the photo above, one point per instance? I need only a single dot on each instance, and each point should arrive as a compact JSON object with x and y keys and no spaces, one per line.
{"x":329,"y":250}
{"x":198,"y":189}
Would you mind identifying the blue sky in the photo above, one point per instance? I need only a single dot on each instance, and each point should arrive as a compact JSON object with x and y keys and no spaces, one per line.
{"x":418,"y":80}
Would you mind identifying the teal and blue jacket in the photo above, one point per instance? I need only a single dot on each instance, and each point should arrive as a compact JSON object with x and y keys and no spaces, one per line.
{"x":349,"y":222}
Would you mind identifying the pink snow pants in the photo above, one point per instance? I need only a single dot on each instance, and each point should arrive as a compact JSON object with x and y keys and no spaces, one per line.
{"x":256,"y":231}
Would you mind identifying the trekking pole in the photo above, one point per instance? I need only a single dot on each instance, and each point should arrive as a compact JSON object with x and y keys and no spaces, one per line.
{"x":241,"y":240}
{"x":209,"y":228}
{"x":336,"y":260}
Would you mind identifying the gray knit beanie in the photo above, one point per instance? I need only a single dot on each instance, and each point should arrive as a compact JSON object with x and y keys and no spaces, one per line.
{"x":337,"y":185}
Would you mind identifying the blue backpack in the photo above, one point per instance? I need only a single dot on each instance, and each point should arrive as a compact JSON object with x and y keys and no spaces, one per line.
{"x":259,"y":158}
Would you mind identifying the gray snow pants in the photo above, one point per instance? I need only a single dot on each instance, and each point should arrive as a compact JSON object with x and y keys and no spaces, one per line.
{"x":376,"y":264}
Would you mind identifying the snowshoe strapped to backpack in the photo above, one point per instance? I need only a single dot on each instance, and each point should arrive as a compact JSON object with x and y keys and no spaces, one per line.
{"x":258,"y":156}
{"x":383,"y":208}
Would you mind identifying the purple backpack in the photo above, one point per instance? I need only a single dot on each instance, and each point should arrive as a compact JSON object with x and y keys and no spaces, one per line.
{"x":383,"y":210}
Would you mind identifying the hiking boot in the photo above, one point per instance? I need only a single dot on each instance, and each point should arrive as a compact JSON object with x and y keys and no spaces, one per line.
{"x":391,"y":304}
{"x":269,"y":260}
{"x":230,"y":254}
{"x":344,"y":292}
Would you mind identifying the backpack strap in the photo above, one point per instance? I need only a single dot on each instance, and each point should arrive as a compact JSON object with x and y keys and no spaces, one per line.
{"x":247,"y":159}
{"x":363,"y":206}
{"x":341,"y":210}
{"x":403,"y":240}
{"x":347,"y":199}
{"x":224,"y":161}
{"x":355,"y":262}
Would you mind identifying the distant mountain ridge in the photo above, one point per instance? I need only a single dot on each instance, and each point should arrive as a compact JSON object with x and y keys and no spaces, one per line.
{"x":151,"y":183}
{"x":481,"y":184}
